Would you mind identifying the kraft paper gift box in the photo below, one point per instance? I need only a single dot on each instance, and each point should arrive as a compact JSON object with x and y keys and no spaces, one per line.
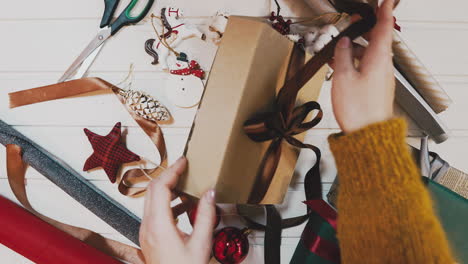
{"x":250,"y":67}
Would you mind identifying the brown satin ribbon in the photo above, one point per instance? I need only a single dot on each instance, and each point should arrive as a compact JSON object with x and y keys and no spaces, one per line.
{"x":280,"y":125}
{"x":16,"y":169}
{"x":127,"y":185}
{"x":286,"y":121}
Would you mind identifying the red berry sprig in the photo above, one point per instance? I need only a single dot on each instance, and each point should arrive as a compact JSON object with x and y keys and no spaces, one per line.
{"x":282,"y":26}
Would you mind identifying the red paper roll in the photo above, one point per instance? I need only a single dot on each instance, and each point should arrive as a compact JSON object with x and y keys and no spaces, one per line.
{"x":42,"y":243}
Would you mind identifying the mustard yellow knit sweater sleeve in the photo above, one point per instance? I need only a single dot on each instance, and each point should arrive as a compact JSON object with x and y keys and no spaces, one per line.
{"x":385,"y":212}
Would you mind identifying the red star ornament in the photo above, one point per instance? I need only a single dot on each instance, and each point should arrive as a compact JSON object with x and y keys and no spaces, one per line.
{"x":109,"y":152}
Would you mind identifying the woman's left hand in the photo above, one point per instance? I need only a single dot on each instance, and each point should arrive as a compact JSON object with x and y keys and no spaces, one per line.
{"x":161,"y":241}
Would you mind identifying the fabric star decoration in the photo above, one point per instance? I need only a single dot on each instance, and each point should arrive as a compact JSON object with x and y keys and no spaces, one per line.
{"x":109,"y":152}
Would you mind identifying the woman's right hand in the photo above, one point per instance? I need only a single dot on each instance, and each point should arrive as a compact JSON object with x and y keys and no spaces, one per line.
{"x":364,"y":95}
{"x":161,"y":240}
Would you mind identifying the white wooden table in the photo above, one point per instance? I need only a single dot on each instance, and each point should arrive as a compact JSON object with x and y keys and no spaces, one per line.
{"x":41,"y":38}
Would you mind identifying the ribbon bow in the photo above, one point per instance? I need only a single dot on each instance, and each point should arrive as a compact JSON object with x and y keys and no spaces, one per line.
{"x":276,"y":126}
{"x":287,"y":121}
{"x":192,"y":69}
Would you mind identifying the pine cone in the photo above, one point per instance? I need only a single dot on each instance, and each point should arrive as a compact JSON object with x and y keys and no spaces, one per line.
{"x":145,"y":105}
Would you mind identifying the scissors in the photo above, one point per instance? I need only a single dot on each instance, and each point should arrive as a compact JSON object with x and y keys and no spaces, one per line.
{"x":107,"y":29}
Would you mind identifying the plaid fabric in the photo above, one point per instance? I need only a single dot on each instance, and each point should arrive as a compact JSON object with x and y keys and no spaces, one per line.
{"x":109,"y":152}
{"x":318,"y":244}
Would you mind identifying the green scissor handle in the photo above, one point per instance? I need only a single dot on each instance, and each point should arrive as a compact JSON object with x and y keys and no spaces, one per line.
{"x":110,"y":7}
{"x":126,"y":19}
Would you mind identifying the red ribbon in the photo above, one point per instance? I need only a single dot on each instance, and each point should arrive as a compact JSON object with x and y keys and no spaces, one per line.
{"x":193,"y":69}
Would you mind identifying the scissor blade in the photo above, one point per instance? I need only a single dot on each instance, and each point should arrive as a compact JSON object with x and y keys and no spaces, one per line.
{"x":97,"y":41}
{"x":84,"y":67}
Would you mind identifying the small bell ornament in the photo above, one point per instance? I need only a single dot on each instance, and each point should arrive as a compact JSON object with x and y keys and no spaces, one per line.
{"x":145,"y":105}
{"x":231,"y":245}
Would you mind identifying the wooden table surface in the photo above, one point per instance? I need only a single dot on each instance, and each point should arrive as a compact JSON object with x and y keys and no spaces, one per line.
{"x":41,"y":38}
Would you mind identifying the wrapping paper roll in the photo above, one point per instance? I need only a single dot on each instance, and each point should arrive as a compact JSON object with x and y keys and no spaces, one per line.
{"x":75,"y":185}
{"x":419,"y":76}
{"x":42,"y":243}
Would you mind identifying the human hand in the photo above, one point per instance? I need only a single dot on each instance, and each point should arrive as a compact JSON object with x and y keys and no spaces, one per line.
{"x":161,"y":241}
{"x":364,"y":95}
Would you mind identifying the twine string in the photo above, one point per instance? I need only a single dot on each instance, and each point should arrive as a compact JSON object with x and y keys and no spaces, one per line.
{"x":162,"y":39}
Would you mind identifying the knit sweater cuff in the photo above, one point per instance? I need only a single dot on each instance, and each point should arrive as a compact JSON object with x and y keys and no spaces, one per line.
{"x":373,"y":157}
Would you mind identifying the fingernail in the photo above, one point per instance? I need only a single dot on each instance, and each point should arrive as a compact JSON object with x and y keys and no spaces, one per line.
{"x":344,"y":43}
{"x":210,"y":196}
{"x":180,"y":159}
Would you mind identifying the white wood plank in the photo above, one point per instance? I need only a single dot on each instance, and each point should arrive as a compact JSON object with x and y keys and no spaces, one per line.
{"x":455,"y":115}
{"x":53,"y":46}
{"x":439,"y":46}
{"x":69,"y":9}
{"x":127,"y":47}
{"x":414,"y":10}
{"x":38,"y":46}
{"x":9,"y":256}
{"x":47,"y":41}
{"x":293,"y":9}
{"x":454,"y":150}
{"x":434,"y":11}
{"x":307,"y":157}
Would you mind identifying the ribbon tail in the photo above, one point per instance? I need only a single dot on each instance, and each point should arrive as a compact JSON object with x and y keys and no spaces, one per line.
{"x":134,"y":177}
{"x":312,"y":180}
{"x":272,"y":236}
{"x":16,"y":171}
{"x":266,"y":172}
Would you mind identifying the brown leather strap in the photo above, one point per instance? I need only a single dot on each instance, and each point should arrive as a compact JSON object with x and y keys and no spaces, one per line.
{"x":16,"y":169}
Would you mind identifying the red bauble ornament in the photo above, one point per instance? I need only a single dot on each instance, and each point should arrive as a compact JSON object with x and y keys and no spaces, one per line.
{"x":192,"y":214}
{"x":231,"y":245}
